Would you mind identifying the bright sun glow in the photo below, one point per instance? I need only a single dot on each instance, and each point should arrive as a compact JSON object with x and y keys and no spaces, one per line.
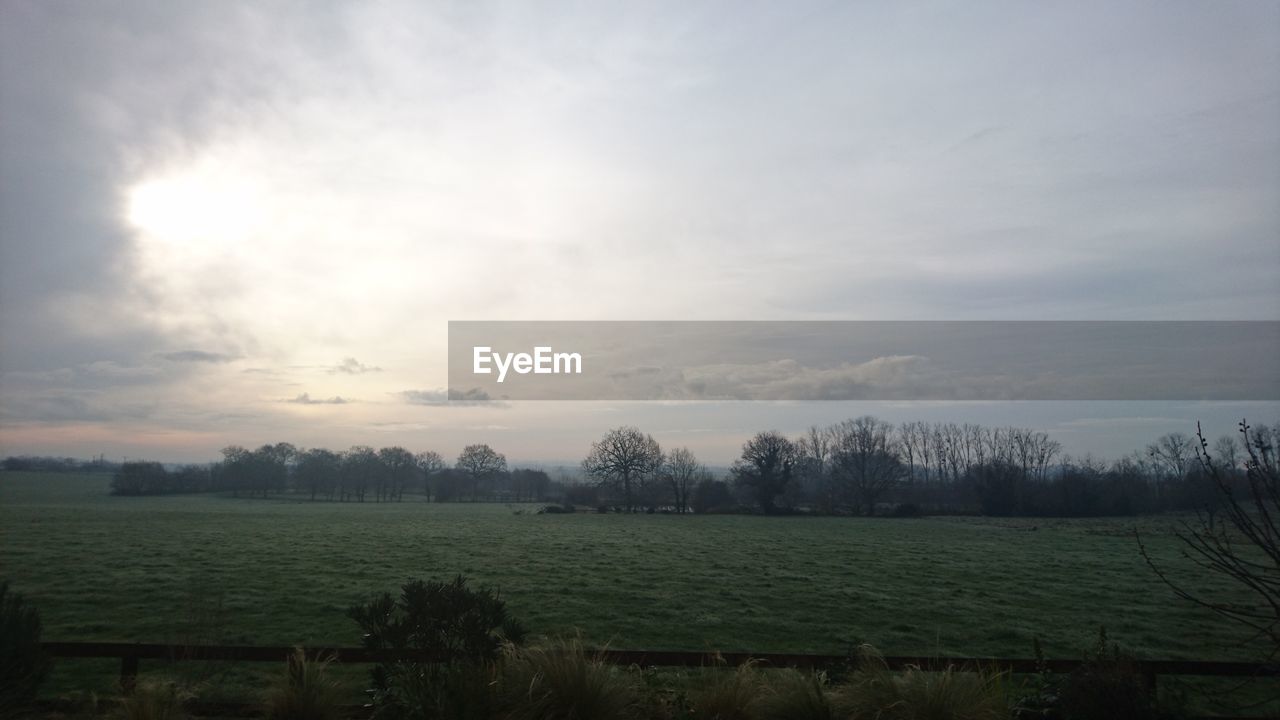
{"x":203,"y":207}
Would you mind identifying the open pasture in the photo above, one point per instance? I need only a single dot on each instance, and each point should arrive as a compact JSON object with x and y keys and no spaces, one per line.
{"x":280,"y":571}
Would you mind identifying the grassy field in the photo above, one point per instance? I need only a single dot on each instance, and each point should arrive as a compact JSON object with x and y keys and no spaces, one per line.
{"x":284,"y":571}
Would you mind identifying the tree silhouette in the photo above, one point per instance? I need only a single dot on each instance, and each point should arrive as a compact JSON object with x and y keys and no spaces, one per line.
{"x":1246,"y":547}
{"x":624,"y":456}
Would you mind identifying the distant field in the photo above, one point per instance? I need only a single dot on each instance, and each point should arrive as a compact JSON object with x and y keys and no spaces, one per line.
{"x":152,"y":569}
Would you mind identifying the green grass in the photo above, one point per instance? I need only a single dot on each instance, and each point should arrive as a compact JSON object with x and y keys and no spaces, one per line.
{"x":155,"y":569}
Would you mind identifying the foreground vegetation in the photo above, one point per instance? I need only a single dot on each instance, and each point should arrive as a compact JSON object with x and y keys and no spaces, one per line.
{"x":481,"y":668}
{"x":564,"y":680}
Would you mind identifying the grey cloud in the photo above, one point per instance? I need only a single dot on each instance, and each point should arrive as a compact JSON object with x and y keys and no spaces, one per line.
{"x":74,"y":406}
{"x":306,"y":399}
{"x":789,"y":380}
{"x":641,"y":371}
{"x":1125,"y":423}
{"x":351,"y":366}
{"x":473,"y":396}
{"x":424,"y":397}
{"x":100,"y":374}
{"x":785,"y":379}
{"x":198,"y":356}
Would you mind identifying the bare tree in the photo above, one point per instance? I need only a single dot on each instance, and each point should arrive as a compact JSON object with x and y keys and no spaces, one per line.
{"x":625,"y":457}
{"x":909,"y":449}
{"x":949,"y":443}
{"x":766,"y":468}
{"x":682,"y":471}
{"x":400,"y":468}
{"x":480,"y":463}
{"x":1172,"y":456}
{"x":813,"y":467}
{"x":360,"y":467}
{"x":1228,"y":452}
{"x":317,"y":471}
{"x":235,"y":468}
{"x":429,"y":464}
{"x":1245,"y":548}
{"x":865,"y":459}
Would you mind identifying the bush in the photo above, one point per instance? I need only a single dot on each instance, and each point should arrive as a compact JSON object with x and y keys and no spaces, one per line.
{"x":582,"y":495}
{"x":1108,"y":684}
{"x":711,"y":496}
{"x":140,"y":478}
{"x":303,"y":691}
{"x":461,"y":629}
{"x":562,"y":681}
{"x":23,"y":663}
{"x":916,"y":694}
{"x":907,"y":510}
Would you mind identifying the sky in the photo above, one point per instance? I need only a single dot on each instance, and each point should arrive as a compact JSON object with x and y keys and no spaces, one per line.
{"x":239,"y":223}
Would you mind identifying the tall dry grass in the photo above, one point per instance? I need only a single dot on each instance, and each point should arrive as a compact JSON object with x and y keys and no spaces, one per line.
{"x":916,"y":694}
{"x":304,"y":691}
{"x":562,"y":680}
{"x":153,"y":700}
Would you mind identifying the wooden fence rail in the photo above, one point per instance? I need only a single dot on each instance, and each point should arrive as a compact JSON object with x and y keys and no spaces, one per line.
{"x":131,"y":654}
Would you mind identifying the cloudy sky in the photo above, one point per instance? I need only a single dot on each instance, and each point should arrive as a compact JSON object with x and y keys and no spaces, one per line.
{"x":249,"y":222}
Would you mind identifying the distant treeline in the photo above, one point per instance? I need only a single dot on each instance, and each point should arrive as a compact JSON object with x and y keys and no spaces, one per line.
{"x":862,"y":466}
{"x":31,"y":463}
{"x":357,"y":475}
{"x":866,"y":466}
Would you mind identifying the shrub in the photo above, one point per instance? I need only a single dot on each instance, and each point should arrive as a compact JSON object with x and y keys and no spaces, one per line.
{"x":907,"y":510}
{"x":1108,"y":684}
{"x":562,"y":681}
{"x":458,"y":632}
{"x":23,"y":663}
{"x":582,"y":495}
{"x":728,"y":695}
{"x":711,"y":495}
{"x":916,"y":694}
{"x":140,"y":478}
{"x":1039,"y":693}
{"x":303,"y":691}
{"x":153,"y":700}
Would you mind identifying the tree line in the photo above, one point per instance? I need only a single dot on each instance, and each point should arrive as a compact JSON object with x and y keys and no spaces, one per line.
{"x":359,"y":474}
{"x":867,"y":466}
{"x":860,"y":466}
{"x":34,"y":463}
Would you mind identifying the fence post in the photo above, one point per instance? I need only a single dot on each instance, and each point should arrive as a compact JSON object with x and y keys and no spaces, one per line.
{"x":128,"y":674}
